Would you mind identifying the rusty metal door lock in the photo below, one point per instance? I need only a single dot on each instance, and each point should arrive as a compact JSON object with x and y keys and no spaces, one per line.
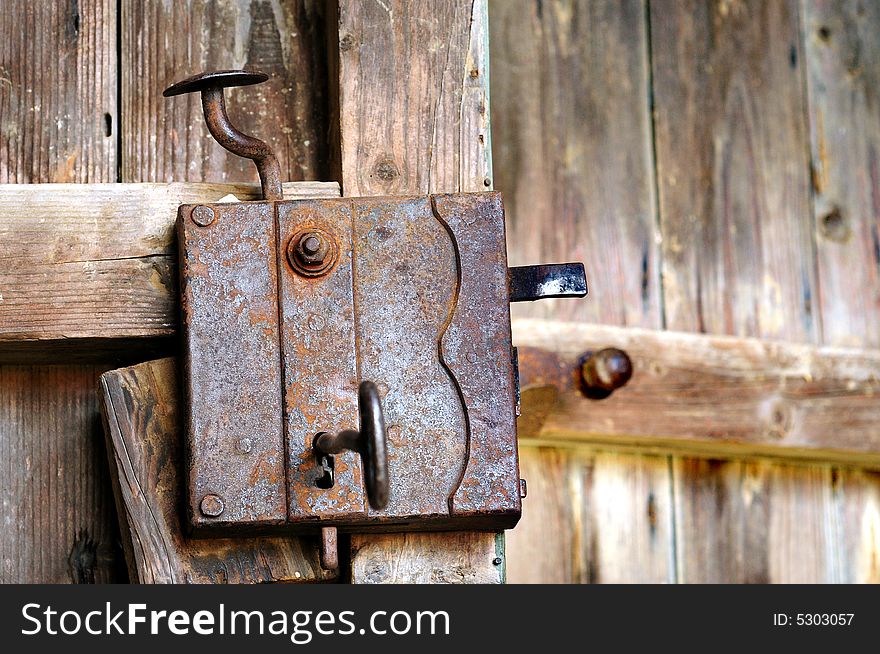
{"x":348,"y":362}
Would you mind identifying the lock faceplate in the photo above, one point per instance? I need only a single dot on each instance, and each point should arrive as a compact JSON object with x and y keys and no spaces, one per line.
{"x":416,"y":300}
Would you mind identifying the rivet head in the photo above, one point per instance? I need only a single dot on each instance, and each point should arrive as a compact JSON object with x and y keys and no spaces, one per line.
{"x":211,"y":505}
{"x":203,"y":215}
{"x":245,"y":445}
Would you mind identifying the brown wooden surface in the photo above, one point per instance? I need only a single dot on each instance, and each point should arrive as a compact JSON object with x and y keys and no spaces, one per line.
{"x":713,"y":396}
{"x":730,"y":139}
{"x":413,"y":97}
{"x":96,"y":263}
{"x":756,"y":239}
{"x":573,"y":157}
{"x":55,"y":503}
{"x":741,"y":81}
{"x":58,"y":123}
{"x":58,"y":119}
{"x":424,"y":130}
{"x":165,"y":139}
{"x":585,"y":507}
{"x":571,"y":131}
{"x":143,"y":426}
{"x":843,"y":75}
{"x":842,"y":43}
{"x":427,"y":558}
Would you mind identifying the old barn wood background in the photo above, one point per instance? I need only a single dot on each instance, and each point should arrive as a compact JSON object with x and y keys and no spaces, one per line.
{"x":713,"y":163}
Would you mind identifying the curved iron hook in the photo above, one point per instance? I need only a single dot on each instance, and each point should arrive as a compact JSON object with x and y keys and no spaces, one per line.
{"x":211,"y":86}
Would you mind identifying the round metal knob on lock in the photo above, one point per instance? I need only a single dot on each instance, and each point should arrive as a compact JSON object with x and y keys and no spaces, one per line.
{"x":371,"y":442}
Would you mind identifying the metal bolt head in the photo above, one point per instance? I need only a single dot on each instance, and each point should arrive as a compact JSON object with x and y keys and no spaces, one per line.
{"x":311,"y":248}
{"x":311,"y":245}
{"x":203,"y":215}
{"x":211,"y":505}
{"x":312,"y":252}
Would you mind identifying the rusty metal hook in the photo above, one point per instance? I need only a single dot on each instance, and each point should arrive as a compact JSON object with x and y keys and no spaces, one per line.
{"x":370,"y":442}
{"x":211,"y":86}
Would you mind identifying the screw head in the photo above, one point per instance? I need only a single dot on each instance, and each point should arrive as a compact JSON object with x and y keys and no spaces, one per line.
{"x":203,"y":215}
{"x":211,"y":505}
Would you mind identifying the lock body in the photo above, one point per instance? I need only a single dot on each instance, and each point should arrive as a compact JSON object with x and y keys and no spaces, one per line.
{"x":287,"y":306}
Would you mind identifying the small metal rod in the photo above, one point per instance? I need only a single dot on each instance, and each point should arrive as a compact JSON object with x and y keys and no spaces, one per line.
{"x":237,"y":142}
{"x":329,"y":549}
{"x":347,"y":439}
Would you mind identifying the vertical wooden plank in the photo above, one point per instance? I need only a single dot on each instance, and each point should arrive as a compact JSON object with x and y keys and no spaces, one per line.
{"x":752,"y":522}
{"x":842,"y":47}
{"x":584,"y":509}
{"x":731,"y":142}
{"x":161,"y":42}
{"x":423,"y":130}
{"x":572,"y":138}
{"x":56,"y":506}
{"x":843,"y":79}
{"x":858,"y":522}
{"x":419,"y":131}
{"x":58,"y":91}
{"x":546,"y":547}
{"x":58,"y":123}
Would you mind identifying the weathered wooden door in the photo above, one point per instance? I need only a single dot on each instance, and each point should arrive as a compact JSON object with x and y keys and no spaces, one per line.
{"x":713,"y":163}
{"x":386,"y":98}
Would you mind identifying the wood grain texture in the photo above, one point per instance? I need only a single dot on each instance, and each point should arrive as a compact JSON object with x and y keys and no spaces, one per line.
{"x":572,"y":138}
{"x":730,"y":140}
{"x":58,"y":123}
{"x":753,"y":522}
{"x":586,"y":507}
{"x":857,"y":521}
{"x":143,"y":426}
{"x":572,"y":135}
{"x":58,"y":116}
{"x":96,"y":263}
{"x":55,"y":501}
{"x":459,"y":557}
{"x":843,"y":81}
{"x":413,"y":110}
{"x":413,"y":97}
{"x":708,"y":395}
{"x":842,"y":45}
{"x":165,"y":139}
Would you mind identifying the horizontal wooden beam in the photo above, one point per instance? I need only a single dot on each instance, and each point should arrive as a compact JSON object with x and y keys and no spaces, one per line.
{"x":88,"y":270}
{"x":703,"y":395}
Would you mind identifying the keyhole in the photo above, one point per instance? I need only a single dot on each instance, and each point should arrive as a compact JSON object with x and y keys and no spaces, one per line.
{"x":326,"y":464}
